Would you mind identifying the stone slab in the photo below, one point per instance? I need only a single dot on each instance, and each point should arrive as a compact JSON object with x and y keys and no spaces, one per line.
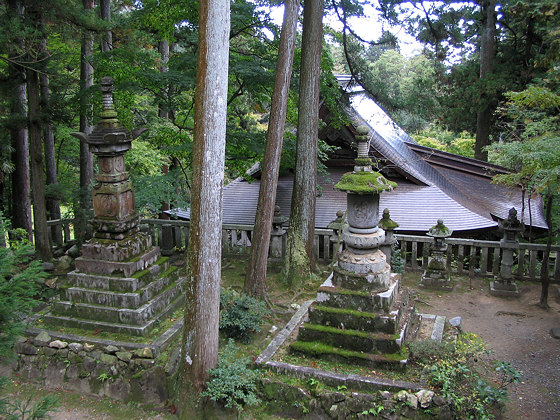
{"x":364,"y":383}
{"x":438,"y":325}
{"x":501,"y":290}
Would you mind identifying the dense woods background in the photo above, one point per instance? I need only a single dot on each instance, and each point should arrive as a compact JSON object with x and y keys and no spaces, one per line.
{"x":486,"y":73}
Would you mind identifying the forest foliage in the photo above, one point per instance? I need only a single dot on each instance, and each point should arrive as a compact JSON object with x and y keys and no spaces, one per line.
{"x":434,"y":94}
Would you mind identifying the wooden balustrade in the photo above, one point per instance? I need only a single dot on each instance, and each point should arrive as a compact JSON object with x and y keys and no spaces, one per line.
{"x":464,"y":256}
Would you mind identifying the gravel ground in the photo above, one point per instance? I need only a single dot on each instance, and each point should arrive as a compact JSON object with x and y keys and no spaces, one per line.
{"x":517,"y":331}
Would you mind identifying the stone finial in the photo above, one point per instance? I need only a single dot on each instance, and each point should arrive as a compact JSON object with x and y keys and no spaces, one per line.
{"x":108,"y":109}
{"x":386,"y":223}
{"x":439,"y":230}
{"x":512,"y":222}
{"x":337,"y":224}
{"x":278,"y":219}
{"x":362,"y":162}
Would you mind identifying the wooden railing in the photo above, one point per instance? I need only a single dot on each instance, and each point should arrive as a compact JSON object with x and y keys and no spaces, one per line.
{"x":465,"y":256}
{"x":480,"y":258}
{"x":60,"y":231}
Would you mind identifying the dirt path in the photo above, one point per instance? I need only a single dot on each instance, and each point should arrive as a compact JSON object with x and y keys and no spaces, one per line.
{"x":517,"y":331}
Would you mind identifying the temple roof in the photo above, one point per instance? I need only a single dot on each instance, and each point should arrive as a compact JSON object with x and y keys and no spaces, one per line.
{"x":432,"y":184}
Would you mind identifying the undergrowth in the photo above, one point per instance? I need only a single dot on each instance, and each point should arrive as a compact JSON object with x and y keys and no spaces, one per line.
{"x":232,"y":382}
{"x":459,"y":371}
{"x":241,"y":316}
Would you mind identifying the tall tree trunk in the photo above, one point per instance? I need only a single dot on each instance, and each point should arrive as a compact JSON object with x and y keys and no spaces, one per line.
{"x":21,"y":185}
{"x":300,"y":258}
{"x":163,"y":111}
{"x":200,"y":339}
{"x":487,"y":47}
{"x":255,"y":280}
{"x":105,"y":12}
{"x":40,"y":228}
{"x":545,"y":276}
{"x":53,"y":204}
{"x":41,"y":233}
{"x":84,"y":203}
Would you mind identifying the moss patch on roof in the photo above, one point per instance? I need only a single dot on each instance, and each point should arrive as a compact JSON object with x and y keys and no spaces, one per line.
{"x":364,"y":183}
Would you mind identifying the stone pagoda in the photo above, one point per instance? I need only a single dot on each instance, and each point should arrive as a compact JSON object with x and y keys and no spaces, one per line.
{"x":360,"y":316}
{"x":121,"y":283}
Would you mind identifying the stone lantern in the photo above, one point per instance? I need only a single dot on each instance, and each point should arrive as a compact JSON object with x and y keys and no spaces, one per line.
{"x":388,"y":226}
{"x":436,"y":274}
{"x":337,"y":226}
{"x":277,"y":234}
{"x":512,"y":227}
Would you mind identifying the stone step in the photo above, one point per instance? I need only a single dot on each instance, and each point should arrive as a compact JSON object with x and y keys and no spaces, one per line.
{"x":365,"y":342}
{"x":117,"y":250}
{"x":365,"y":282}
{"x":138,"y":316}
{"x":395,"y":361}
{"x":338,"y":297}
{"x":135,"y":330}
{"x":355,"y":320}
{"x":125,"y":268}
{"x":119,"y":299}
{"x":119,"y":284}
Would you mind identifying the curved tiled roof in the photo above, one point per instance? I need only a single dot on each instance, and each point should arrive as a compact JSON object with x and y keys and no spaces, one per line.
{"x":434,"y":185}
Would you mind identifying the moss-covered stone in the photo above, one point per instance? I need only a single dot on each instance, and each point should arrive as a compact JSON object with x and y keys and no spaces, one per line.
{"x":364,"y":183}
{"x":328,"y":352}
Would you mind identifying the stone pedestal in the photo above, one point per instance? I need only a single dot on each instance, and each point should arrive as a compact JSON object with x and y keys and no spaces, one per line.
{"x":121,"y":282}
{"x":360,"y":315}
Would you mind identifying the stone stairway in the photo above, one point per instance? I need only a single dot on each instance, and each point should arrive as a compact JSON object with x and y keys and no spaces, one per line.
{"x":356,"y":327}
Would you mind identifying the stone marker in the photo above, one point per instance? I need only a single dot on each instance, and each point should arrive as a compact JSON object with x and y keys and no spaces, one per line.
{"x":504,"y":285}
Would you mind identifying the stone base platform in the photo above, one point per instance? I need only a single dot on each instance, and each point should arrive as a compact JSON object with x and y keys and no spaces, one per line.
{"x":498,"y":288}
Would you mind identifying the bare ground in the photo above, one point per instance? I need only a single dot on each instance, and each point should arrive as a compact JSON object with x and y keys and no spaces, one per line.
{"x":517,"y":331}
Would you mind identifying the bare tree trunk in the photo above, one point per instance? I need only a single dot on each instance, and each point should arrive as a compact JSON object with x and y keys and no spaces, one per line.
{"x":255,"y":281}
{"x":41,"y":233}
{"x":545,"y":276}
{"x":200,"y":339}
{"x":105,"y":12}
{"x":84,"y":204}
{"x":487,"y":46}
{"x":21,"y":185}
{"x":300,"y":259}
{"x":53,"y":204}
{"x":163,"y":112}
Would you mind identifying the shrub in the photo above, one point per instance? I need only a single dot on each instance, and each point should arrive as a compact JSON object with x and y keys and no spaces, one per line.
{"x":397,"y":260}
{"x":26,"y":409}
{"x":454,"y":369}
{"x":20,"y":278}
{"x":241,"y":316}
{"x":232,"y":383}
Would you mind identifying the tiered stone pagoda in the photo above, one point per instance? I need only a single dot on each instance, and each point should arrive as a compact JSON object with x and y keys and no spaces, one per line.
{"x":359,"y":316}
{"x":121,"y":282}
